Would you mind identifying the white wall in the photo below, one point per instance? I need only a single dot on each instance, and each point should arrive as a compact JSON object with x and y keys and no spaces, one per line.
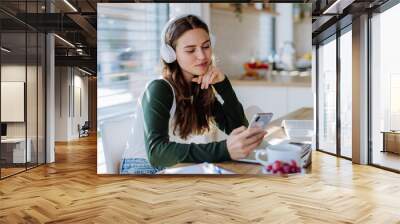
{"x":303,"y":37}
{"x":79,"y":117}
{"x":13,"y":101}
{"x":199,"y":9}
{"x":284,"y":24}
{"x":237,"y":42}
{"x":13,"y":73}
{"x":33,"y":126}
{"x":67,"y":112}
{"x":17,"y":73}
{"x":225,"y":26}
{"x":61,"y":103}
{"x":300,"y":33}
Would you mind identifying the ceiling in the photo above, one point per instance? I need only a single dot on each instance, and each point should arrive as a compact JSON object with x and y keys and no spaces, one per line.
{"x":76,"y":21}
{"x":76,"y":25}
{"x":331,"y":15}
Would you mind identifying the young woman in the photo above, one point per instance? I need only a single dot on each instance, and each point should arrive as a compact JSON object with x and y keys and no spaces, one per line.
{"x":192,"y":96}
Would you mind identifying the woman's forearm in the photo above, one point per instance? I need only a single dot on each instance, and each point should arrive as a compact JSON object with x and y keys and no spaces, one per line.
{"x":163,"y":153}
{"x":229,"y":114}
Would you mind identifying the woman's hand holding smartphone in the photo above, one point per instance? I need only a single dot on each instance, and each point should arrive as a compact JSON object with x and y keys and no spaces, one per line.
{"x":261,"y":120}
{"x":241,"y":141}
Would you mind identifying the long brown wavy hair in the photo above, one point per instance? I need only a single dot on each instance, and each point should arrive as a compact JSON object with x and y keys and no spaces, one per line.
{"x":192,"y":115}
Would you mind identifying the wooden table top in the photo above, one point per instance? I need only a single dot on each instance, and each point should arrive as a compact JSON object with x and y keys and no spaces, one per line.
{"x":275,"y":131}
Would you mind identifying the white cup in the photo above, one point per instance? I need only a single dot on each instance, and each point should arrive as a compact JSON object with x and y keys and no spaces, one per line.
{"x":283,"y":152}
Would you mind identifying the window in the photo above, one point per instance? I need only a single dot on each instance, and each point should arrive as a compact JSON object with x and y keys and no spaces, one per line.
{"x":128,"y":58}
{"x":128,"y":54}
{"x":385,"y":88}
{"x":22,"y":75}
{"x":327,"y":96}
{"x":346,"y":94}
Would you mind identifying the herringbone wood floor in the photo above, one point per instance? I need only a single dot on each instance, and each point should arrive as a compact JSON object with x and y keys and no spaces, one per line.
{"x":70,"y":191}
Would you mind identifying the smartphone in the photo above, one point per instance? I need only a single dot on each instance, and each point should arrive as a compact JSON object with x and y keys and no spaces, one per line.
{"x":260,"y":120}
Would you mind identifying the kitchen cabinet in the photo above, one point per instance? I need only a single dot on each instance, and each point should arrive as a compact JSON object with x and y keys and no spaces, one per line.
{"x":278,"y":99}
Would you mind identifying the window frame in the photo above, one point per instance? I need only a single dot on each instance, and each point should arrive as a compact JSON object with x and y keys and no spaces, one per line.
{"x":346,"y":26}
{"x":379,"y":10}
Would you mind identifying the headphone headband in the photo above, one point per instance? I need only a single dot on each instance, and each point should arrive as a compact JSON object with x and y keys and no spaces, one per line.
{"x":168,"y":24}
{"x":166,"y":51}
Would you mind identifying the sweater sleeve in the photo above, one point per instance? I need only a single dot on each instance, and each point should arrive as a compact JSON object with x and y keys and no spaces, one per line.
{"x":156,"y":105}
{"x":230,"y":114}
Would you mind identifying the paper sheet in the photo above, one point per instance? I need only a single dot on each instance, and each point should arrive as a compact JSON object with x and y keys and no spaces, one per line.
{"x":202,"y":168}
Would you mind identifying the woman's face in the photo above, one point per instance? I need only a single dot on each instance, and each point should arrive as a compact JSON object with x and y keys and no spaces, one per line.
{"x":193,"y":51}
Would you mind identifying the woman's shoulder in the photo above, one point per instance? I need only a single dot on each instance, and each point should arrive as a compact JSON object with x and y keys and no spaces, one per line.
{"x":159,"y":88}
{"x":159,"y":85}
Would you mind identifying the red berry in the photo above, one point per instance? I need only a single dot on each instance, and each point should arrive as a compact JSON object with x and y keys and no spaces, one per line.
{"x":269,"y":167}
{"x":277,"y":165}
{"x":286,"y":168}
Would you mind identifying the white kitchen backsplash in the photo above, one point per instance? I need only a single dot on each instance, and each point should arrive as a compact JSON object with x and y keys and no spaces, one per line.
{"x":237,"y":42}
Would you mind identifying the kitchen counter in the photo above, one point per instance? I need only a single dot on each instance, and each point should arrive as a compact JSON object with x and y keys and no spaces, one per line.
{"x":274,"y":80}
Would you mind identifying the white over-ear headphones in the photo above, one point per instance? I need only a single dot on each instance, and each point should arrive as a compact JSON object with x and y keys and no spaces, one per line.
{"x":167,"y":53}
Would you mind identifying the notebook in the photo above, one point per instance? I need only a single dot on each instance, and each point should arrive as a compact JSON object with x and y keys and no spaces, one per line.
{"x":300,"y":131}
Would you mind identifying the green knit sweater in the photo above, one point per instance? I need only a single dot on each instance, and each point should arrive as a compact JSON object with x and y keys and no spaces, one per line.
{"x":157,"y":102}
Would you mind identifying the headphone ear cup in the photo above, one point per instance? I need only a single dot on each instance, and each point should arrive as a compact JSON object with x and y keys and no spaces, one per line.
{"x":167,"y":53}
{"x":212,"y":40}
